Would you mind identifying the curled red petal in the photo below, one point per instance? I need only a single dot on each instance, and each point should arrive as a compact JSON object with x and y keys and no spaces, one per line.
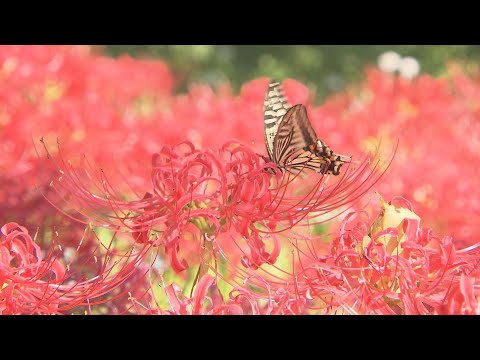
{"x":200,"y":293}
{"x":177,"y":264}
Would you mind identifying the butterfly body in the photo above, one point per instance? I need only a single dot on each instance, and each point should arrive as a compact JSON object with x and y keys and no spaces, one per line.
{"x":291,"y":140}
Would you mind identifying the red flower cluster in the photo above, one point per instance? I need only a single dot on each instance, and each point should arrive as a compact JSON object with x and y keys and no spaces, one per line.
{"x":66,"y":279}
{"x":394,"y":266}
{"x":210,"y":216}
{"x":28,"y":283}
{"x":388,"y":266}
{"x":78,"y":97}
{"x":226,"y":195}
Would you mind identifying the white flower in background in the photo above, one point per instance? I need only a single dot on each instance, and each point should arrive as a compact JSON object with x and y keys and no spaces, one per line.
{"x":409,"y":67}
{"x":389,"y":62}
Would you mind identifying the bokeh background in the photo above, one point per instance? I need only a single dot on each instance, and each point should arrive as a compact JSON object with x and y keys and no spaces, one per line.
{"x":326,"y":68}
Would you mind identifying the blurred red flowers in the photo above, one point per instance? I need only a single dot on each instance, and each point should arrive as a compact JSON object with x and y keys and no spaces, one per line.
{"x":164,"y":204}
{"x":437,"y":124}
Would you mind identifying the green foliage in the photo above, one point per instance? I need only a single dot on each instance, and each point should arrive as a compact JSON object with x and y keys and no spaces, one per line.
{"x":325,"y":68}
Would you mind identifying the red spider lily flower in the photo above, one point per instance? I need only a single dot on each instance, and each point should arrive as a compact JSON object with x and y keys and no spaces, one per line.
{"x":26,"y":280}
{"x":67,"y":279}
{"x":200,"y":303}
{"x":393,"y":267}
{"x":269,"y":302}
{"x":224,"y":191}
{"x":207,"y":300}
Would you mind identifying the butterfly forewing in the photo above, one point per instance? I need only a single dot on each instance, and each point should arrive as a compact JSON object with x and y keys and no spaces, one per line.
{"x":275,"y":107}
{"x":295,"y":134}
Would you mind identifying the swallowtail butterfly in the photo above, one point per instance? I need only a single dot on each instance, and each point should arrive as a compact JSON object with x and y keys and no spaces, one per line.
{"x":291,"y":140}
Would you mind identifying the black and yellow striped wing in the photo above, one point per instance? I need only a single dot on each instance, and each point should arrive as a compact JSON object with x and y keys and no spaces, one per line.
{"x":274,"y":108}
